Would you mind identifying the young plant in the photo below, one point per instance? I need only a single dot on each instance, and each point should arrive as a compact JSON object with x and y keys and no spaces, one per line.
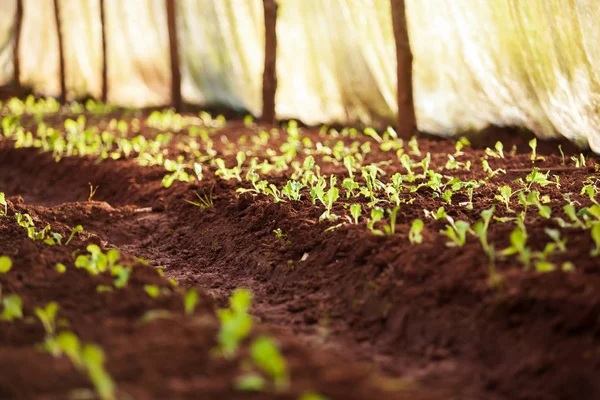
{"x":518,"y":246}
{"x":265,"y":354}
{"x":504,"y":196}
{"x":5,"y":264}
{"x":391,"y":228}
{"x":456,"y":232}
{"x":3,"y":204}
{"x":533,"y":145}
{"x":377,"y":214}
{"x":12,"y":307}
{"x":178,"y":172}
{"x":279,"y":234}
{"x":292,"y":190}
{"x":485,"y":165}
{"x":205,"y":201}
{"x":236,"y":322}
{"x":595,"y":232}
{"x":190,"y":301}
{"x":554,"y":234}
{"x":75,"y":230}
{"x":414,"y":235}
{"x":355,"y":211}
{"x":499,"y":151}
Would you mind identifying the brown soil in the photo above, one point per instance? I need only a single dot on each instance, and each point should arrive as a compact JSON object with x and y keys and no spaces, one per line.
{"x":351,"y":310}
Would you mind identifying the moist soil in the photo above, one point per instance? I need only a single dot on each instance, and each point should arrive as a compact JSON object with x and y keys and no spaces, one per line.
{"x":358,"y":316}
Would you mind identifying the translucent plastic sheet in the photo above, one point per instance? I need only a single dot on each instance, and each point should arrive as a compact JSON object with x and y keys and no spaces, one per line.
{"x":532,"y":63}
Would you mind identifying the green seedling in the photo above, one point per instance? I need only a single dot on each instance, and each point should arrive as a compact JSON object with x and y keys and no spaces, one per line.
{"x":579,"y":161}
{"x":480,"y":228}
{"x":570,"y":211}
{"x":533,"y":199}
{"x":439,"y":214}
{"x":590,"y":191}
{"x":372,"y":133}
{"x":456,"y":232}
{"x":562,"y":155}
{"x":391,"y":228}
{"x":75,"y":230}
{"x":93,"y":191}
{"x":414,"y":235}
{"x":537,"y":177}
{"x":25,"y":221}
{"x":12,"y":307}
{"x":292,"y":190}
{"x":505,"y":194}
{"x":554,"y":234}
{"x":498,"y":152}
{"x":265,"y":354}
{"x":190,"y":301}
{"x":5,"y":264}
{"x":350,"y":164}
{"x":355,"y":211}
{"x":595,"y":232}
{"x":205,"y":201}
{"x":377,"y":214}
{"x":447,"y":196}
{"x":47,"y":317}
{"x":518,"y":246}
{"x":328,"y":199}
{"x":152,"y":290}
{"x":3,"y":204}
{"x":460,"y":144}
{"x":413,"y":145}
{"x":533,"y":145}
{"x":369,"y":173}
{"x":251,"y":382}
{"x":178,"y":172}
{"x":485,"y":165}
{"x":96,"y":261}
{"x":236,"y":322}
{"x":279,"y":234}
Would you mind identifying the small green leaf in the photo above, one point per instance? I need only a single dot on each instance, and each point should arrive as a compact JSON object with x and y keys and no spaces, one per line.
{"x":250,"y":383}
{"x":152,"y":290}
{"x":61,"y":268}
{"x":190,"y":301}
{"x":5,"y":264}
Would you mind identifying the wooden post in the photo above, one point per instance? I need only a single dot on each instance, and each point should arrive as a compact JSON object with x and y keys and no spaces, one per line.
{"x":174,"y":53}
{"x":104,"y":55}
{"x":61,"y":52}
{"x":270,"y":69}
{"x":407,"y":121}
{"x":16,"y":58}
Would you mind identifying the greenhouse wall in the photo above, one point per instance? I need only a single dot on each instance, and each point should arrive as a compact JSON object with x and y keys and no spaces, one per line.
{"x":534,"y":64}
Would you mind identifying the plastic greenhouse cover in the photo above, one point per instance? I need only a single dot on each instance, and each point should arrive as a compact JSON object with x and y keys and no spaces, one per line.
{"x":476,"y":62}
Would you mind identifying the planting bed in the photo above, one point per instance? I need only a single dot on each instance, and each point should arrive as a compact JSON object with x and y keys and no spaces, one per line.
{"x":359,"y":310}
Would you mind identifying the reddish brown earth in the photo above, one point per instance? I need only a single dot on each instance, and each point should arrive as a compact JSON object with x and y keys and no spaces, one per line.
{"x":358,"y":310}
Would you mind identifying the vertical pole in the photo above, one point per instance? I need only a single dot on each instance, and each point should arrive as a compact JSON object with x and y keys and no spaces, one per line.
{"x":407,"y":121}
{"x":61,"y":51}
{"x":174,"y":53}
{"x":104,"y":55}
{"x":16,"y":59}
{"x":270,"y":69}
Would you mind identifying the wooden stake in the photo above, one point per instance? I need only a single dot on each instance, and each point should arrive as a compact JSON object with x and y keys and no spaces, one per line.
{"x":16,"y":58}
{"x":407,"y":121}
{"x":174,"y":53}
{"x":269,"y":89}
{"x":61,"y":53}
{"x":104,"y":55}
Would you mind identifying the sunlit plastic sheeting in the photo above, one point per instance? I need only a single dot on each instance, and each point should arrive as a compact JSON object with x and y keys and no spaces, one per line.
{"x":38,"y":52}
{"x":82,"y":38}
{"x":139,"y":72}
{"x":336,"y":61}
{"x":532,"y":63}
{"x":7,"y":17}
{"x":222,"y":53}
{"x":508,"y":62}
